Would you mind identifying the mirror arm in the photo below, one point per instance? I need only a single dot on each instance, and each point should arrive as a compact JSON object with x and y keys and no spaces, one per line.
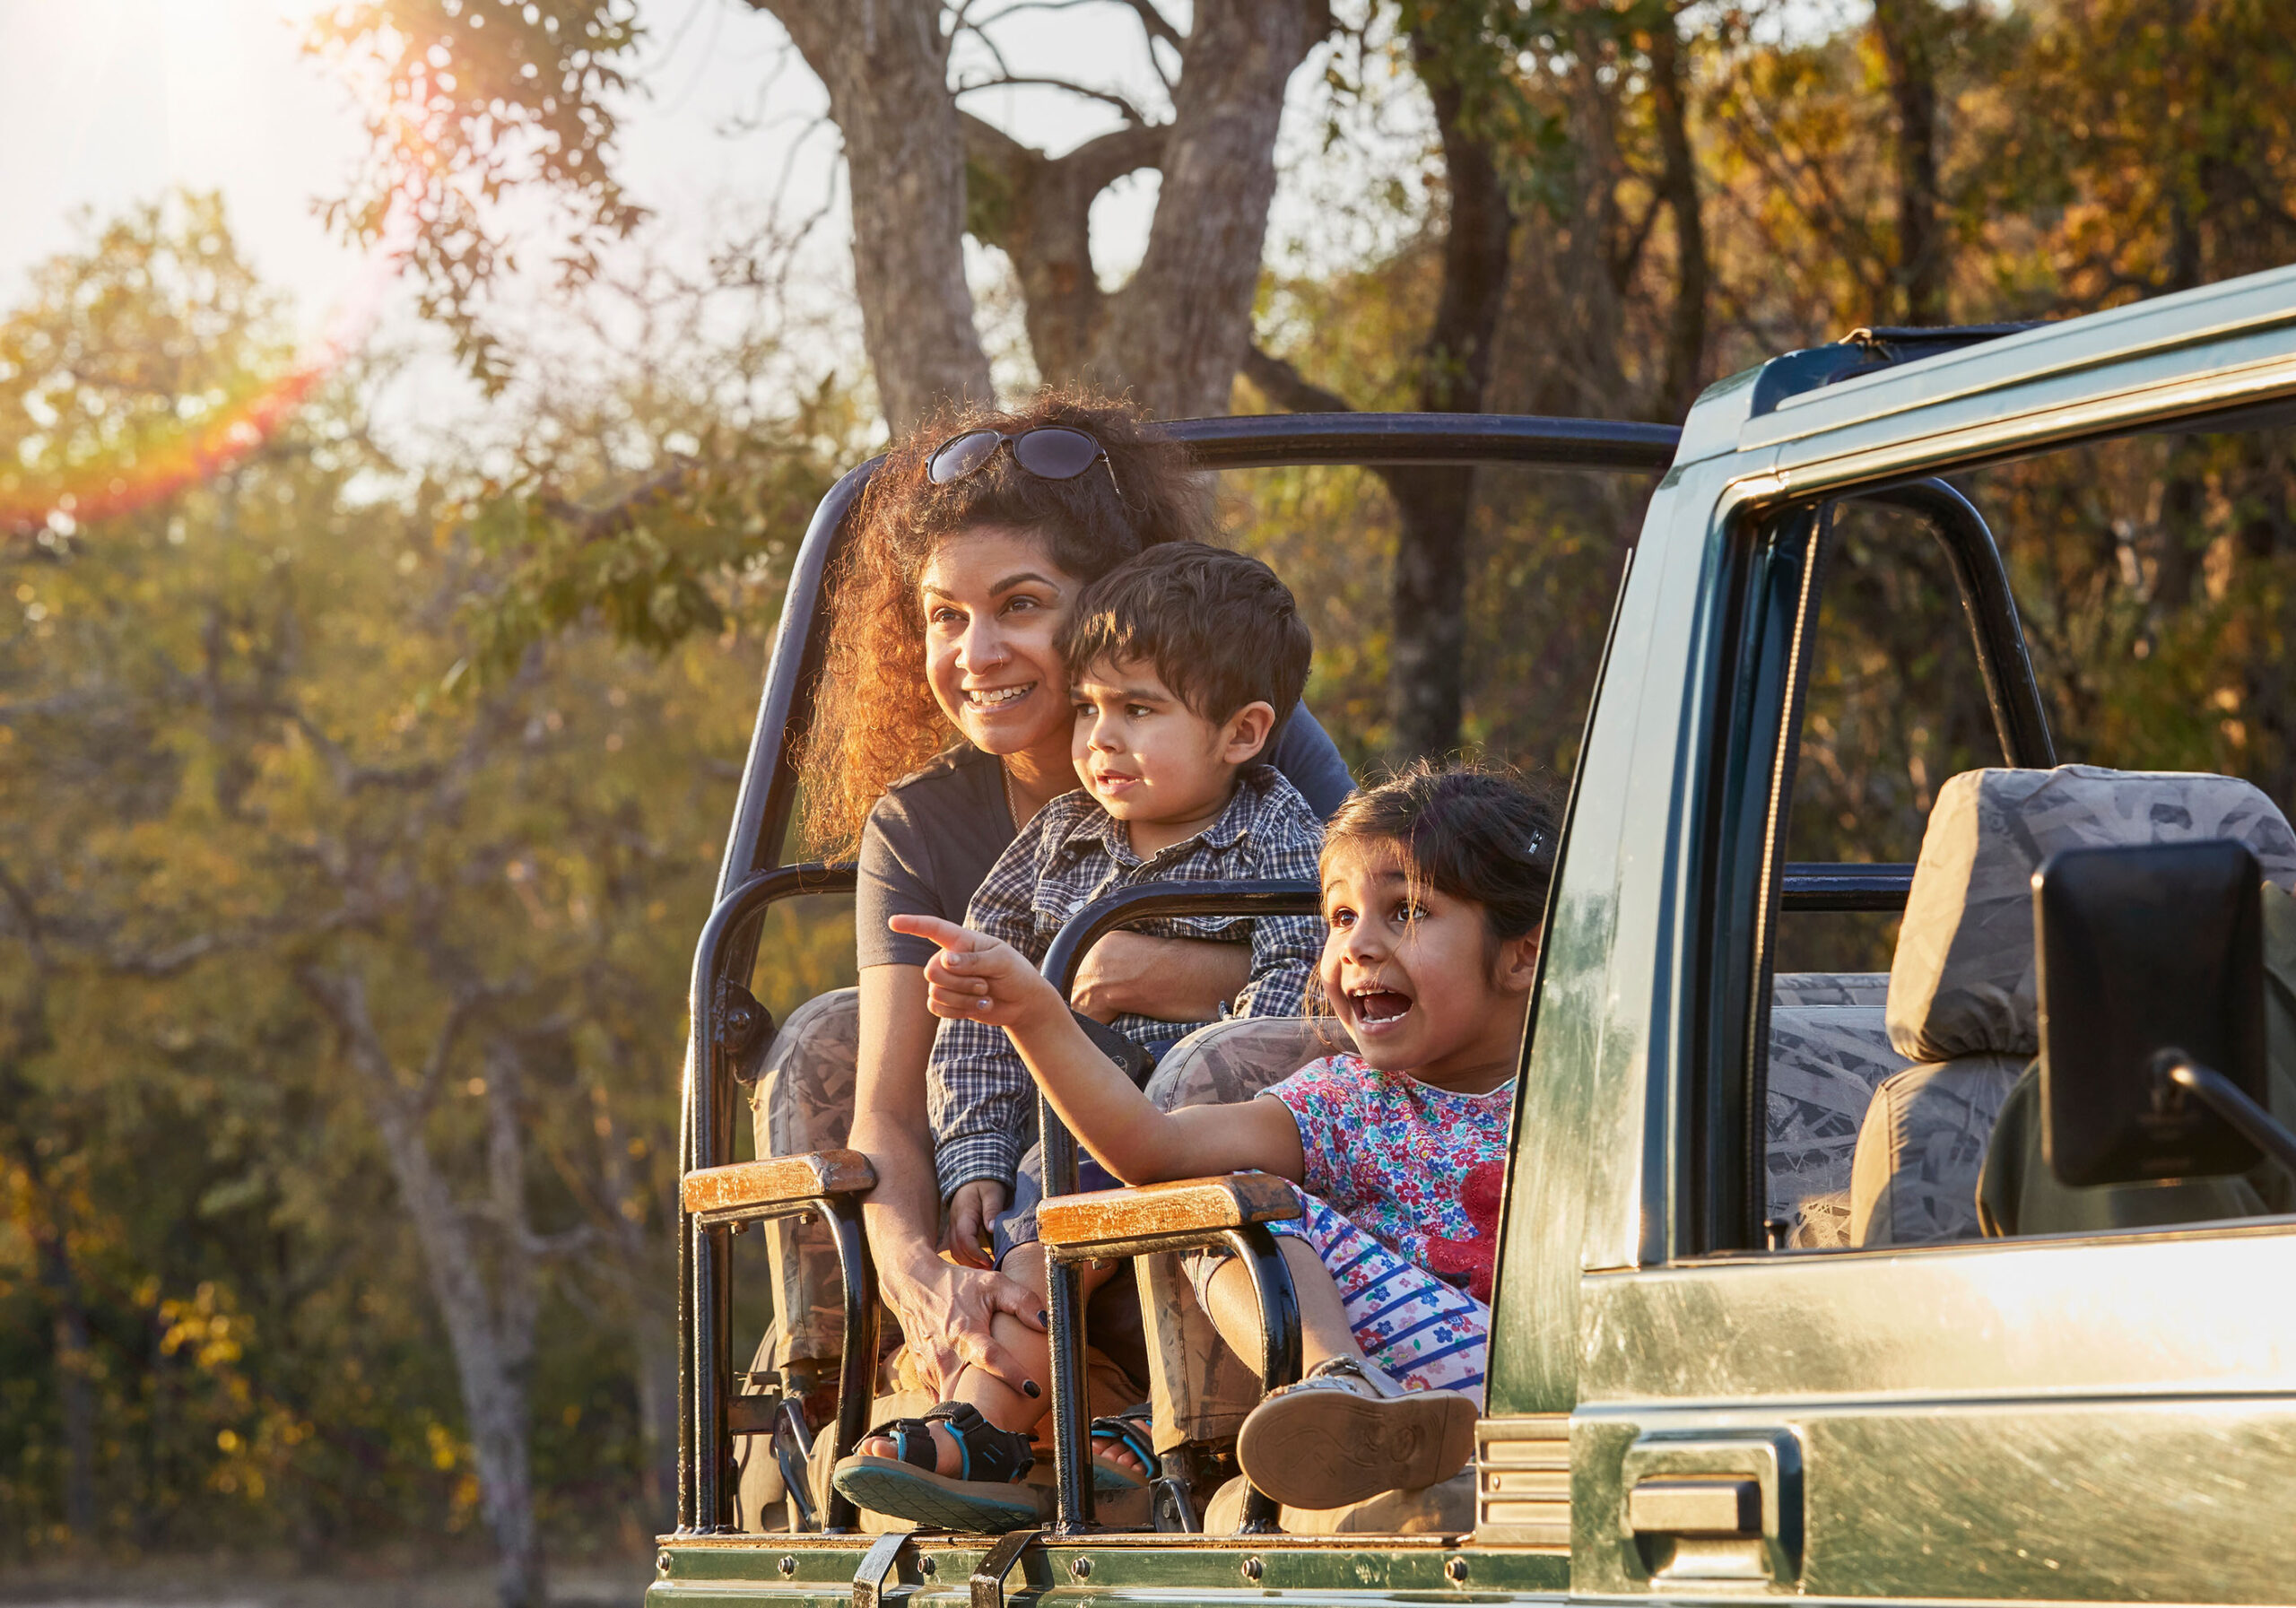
{"x":2180,"y":1075}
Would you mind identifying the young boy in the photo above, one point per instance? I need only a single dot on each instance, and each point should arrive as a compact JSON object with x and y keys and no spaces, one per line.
{"x":1181,"y":663}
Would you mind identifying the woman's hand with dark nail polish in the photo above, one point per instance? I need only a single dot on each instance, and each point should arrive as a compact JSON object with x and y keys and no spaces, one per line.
{"x":1029,"y":1388}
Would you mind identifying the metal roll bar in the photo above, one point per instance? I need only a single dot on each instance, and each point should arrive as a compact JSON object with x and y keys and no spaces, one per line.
{"x":705,"y":1290}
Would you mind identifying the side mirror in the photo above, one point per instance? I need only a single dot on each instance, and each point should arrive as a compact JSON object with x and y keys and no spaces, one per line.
{"x":2152,"y":1014}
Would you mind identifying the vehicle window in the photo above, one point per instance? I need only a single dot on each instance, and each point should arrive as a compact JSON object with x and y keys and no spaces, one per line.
{"x":2155,"y":577}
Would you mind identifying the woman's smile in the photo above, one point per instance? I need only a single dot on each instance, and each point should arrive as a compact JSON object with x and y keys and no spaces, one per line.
{"x":995,"y":700}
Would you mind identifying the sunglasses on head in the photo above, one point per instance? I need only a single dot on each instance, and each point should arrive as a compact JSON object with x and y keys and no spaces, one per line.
{"x":1048,"y":452}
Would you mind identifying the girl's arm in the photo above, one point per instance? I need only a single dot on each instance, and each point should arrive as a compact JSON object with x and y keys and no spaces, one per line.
{"x":978,"y":978}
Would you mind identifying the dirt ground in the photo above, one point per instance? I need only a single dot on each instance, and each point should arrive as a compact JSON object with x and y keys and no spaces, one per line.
{"x":209,"y":1583}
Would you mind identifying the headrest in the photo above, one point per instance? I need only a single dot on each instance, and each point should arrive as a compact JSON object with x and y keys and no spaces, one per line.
{"x":1963,"y":980}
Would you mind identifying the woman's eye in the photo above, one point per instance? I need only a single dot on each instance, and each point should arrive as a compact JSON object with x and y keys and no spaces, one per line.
{"x":1014,"y":605}
{"x":944,"y":616}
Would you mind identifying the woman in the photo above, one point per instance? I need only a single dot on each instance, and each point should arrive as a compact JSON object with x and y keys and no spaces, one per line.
{"x":974,"y":538}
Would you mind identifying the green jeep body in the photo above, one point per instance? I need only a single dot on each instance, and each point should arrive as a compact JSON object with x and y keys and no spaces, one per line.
{"x":2099,"y":1419}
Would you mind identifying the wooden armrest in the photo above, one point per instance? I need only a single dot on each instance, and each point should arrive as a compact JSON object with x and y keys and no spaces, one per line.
{"x":1160,"y":1215}
{"x":776,"y":1185}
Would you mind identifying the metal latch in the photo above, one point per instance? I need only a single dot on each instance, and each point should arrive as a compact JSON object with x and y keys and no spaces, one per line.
{"x":987,"y":1580}
{"x":878,"y":1566}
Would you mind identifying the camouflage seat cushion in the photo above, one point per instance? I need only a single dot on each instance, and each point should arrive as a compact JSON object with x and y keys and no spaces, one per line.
{"x":1963,"y":995}
{"x":1829,"y":1051}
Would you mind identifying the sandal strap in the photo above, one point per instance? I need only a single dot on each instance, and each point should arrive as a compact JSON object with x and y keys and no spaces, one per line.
{"x":987,"y":1452}
{"x":1129,"y":1429}
{"x":912,"y":1439}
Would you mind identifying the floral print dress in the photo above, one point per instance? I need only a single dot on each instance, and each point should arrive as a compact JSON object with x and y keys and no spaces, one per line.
{"x":1387,"y":1162}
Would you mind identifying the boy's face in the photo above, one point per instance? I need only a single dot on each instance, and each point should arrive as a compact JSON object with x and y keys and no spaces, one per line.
{"x":1147,"y":757}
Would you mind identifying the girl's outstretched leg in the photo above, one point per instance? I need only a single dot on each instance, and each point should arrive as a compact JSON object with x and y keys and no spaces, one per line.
{"x":1392,"y":1370}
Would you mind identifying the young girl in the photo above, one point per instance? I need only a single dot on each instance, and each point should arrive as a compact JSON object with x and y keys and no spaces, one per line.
{"x":1434,"y":886}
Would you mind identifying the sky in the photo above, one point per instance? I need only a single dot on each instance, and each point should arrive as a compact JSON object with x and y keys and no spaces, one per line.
{"x":105,"y":103}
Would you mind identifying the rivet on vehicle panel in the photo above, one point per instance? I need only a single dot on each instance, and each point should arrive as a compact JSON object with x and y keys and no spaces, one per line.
{"x":1080,"y":1568}
{"x":1254,"y":1568}
{"x":662,"y":1564}
{"x":1455,"y":1570}
{"x":927,"y":1567}
{"x":789,"y":1564}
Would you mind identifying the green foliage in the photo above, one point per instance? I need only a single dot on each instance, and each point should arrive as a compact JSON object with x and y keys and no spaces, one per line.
{"x":224,"y":759}
{"x":469,"y":99}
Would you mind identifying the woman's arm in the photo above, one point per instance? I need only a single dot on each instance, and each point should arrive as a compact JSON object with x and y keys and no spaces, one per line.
{"x":978,"y":978}
{"x":944,"y":1311}
{"x":1171,"y":979}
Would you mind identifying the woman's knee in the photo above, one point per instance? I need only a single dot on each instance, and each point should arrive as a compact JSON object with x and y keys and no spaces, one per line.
{"x":802,"y":1099}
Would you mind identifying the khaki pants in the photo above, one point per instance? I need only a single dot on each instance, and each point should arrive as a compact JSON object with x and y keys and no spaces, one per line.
{"x":803,"y":1101}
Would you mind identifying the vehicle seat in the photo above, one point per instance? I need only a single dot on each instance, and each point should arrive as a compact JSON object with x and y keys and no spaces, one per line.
{"x":1962,"y":1003}
{"x":1829,"y":1051}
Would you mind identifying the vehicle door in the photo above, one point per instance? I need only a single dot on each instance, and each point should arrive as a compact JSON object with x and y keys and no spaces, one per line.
{"x":2106,"y":1416}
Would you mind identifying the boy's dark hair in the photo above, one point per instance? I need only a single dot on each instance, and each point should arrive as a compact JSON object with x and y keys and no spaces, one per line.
{"x":1221,"y":631}
{"x":1472,"y":831}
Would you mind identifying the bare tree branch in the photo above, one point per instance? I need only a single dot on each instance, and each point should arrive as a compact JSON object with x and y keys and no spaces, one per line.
{"x":1288,"y":388}
{"x":618,"y":516}
{"x":1132,"y":113}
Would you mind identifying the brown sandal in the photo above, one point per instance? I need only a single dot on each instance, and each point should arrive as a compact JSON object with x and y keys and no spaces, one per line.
{"x":1337,"y":1436}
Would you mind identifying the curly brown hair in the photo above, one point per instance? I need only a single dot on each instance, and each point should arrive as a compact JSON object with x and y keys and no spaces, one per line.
{"x":874,"y":718}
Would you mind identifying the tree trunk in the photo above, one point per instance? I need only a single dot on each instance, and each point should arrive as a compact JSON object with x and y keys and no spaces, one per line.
{"x":1678,"y":185}
{"x":491,"y":1334}
{"x":1177,"y":334}
{"x":1038,"y":210}
{"x":1906,"y":29}
{"x":74,"y":1347}
{"x":885,"y":65}
{"x":1427,"y":661}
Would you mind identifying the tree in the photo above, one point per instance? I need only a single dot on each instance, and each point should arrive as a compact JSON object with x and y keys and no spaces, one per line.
{"x":1496,"y":131}
{"x":477,"y":99}
{"x":368,"y":938}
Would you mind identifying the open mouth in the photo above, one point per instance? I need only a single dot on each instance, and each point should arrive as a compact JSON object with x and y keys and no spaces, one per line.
{"x":1376,"y":1006}
{"x":997,"y":698}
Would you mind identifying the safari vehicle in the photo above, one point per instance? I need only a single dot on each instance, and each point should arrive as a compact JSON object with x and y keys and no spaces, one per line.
{"x":1749,"y":1338}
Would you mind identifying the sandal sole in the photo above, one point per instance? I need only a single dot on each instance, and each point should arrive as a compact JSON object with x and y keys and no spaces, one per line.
{"x":938,"y":1502}
{"x":1326,"y":1449}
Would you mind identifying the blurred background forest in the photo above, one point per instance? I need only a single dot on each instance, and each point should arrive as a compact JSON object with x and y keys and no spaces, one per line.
{"x":360,"y":802}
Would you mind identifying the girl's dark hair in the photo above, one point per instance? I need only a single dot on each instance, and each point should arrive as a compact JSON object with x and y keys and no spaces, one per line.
{"x":1471,"y":831}
{"x":874,"y":720}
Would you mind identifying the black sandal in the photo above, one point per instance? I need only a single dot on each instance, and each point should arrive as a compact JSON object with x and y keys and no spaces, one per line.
{"x":1130,"y":1430}
{"x":984,"y":1497}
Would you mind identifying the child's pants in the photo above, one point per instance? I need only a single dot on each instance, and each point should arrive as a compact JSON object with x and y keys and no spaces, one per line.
{"x":1429,"y":1335}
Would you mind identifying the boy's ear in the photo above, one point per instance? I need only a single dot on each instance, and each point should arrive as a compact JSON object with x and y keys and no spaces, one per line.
{"x":1247,"y":733}
{"x":1516,"y":967}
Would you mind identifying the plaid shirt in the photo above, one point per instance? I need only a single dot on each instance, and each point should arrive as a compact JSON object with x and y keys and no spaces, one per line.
{"x":978,"y":1089}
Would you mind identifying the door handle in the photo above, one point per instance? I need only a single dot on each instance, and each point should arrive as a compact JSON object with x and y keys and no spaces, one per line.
{"x":1704,"y":1507}
{"x":1707,"y":1506}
